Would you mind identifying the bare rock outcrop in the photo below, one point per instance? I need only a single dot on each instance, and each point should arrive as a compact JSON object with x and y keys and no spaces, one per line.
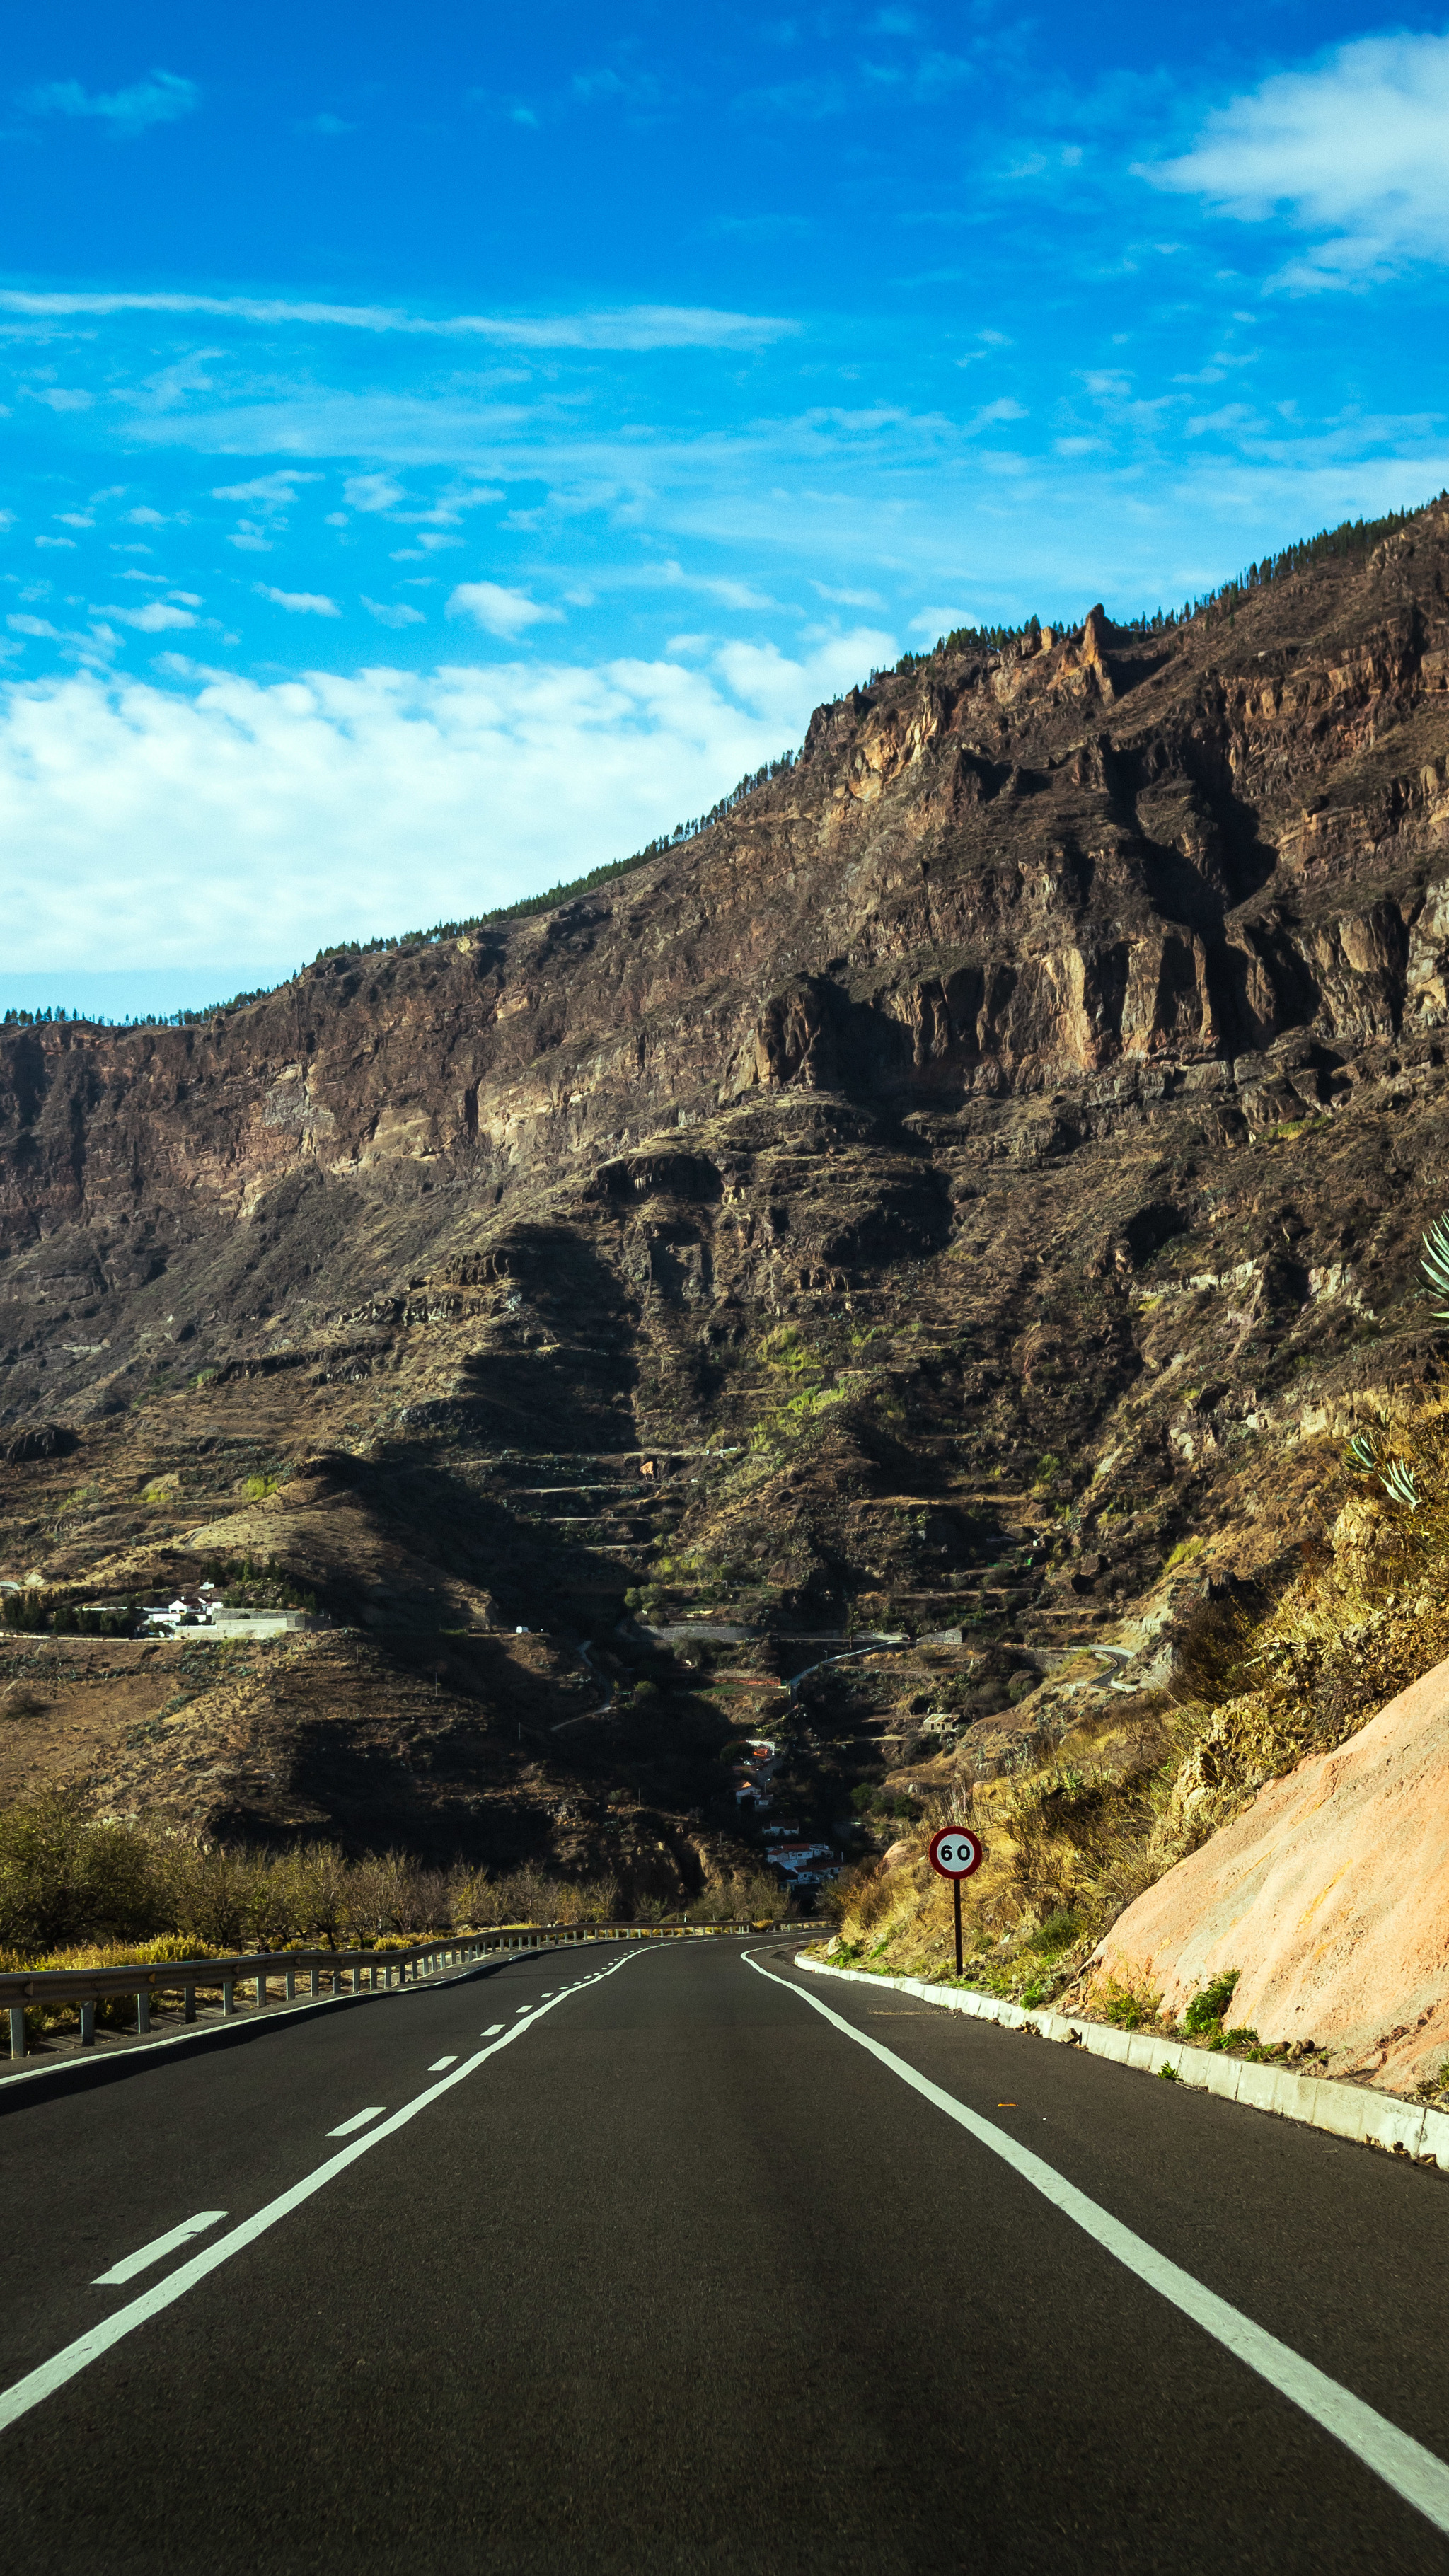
{"x":1329,"y":1897}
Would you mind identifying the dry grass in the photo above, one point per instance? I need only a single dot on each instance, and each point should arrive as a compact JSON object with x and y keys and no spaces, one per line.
{"x":1259,"y":1684}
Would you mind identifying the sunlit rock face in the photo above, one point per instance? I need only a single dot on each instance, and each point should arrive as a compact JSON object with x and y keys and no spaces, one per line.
{"x":1326,"y":1898}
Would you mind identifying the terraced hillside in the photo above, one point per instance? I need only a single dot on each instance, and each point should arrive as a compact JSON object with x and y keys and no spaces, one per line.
{"x":970,"y":1186}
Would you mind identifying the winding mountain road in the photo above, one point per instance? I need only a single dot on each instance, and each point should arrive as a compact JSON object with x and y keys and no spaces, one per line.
{"x":680,"y":2258}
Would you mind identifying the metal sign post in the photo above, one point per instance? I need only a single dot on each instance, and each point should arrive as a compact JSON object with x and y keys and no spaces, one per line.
{"x":955,"y":1854}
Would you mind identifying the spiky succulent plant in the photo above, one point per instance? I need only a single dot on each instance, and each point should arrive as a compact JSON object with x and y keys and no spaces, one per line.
{"x":1366,"y":1455}
{"x":1435,"y":1264}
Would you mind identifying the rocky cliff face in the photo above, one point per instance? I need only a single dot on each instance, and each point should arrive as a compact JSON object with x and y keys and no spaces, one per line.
{"x":970,"y":1175}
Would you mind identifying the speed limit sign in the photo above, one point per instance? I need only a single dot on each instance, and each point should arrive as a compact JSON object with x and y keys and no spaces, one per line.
{"x":955,"y":1853}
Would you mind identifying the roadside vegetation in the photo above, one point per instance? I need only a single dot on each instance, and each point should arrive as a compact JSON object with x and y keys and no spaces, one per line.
{"x":82,"y":1891}
{"x":1264,"y":1673}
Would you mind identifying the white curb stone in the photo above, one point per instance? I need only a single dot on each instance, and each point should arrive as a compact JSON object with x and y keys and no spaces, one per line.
{"x":1345,"y":2110}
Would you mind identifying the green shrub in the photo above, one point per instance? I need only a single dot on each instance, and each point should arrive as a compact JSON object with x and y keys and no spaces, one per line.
{"x":1124,"y":2006}
{"x":1057,"y":1933}
{"x":1205,"y":2012}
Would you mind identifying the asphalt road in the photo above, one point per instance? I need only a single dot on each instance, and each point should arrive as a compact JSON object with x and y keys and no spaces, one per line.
{"x":672,"y":2273}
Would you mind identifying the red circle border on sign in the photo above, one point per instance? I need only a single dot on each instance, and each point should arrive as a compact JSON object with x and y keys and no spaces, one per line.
{"x":947,"y":1832}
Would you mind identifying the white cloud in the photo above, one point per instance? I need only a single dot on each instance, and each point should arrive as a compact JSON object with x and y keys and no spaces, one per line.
{"x":782,"y":692}
{"x":940,"y":621}
{"x":64,"y":397}
{"x":57,"y":543}
{"x":20,"y":624}
{"x":152,"y":619}
{"x":503,"y":612}
{"x":633,"y":326}
{"x":272,"y":491}
{"x":729,"y":593}
{"x":169,"y":825}
{"x":393,"y":612}
{"x":372,"y":492}
{"x":302,"y":603}
{"x":1354,"y":149}
{"x":157,"y":101}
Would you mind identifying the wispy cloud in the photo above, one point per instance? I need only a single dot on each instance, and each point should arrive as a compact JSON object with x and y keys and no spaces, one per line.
{"x":393,"y":612}
{"x":153,"y":619}
{"x":1354,"y":148}
{"x":633,"y":326}
{"x":302,"y":603}
{"x":373,"y":492}
{"x":805,"y":101}
{"x":159,"y":100}
{"x":272,"y":491}
{"x":508,"y":613}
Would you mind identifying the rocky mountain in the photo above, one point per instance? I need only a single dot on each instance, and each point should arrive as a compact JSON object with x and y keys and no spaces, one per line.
{"x":963,"y":1187}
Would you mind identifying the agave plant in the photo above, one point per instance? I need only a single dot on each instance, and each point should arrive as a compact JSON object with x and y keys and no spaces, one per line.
{"x":1366,"y":1456}
{"x":1435,"y":1264}
{"x":1397,"y":1480}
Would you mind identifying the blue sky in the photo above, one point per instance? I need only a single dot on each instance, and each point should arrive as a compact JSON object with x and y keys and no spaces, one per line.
{"x":442,"y":449}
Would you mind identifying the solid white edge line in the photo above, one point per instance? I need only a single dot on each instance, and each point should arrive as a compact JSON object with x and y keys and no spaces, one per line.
{"x":1416,"y":2474}
{"x":48,"y":2376}
{"x":146,"y":2255}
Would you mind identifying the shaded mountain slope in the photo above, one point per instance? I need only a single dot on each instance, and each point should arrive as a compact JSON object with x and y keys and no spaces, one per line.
{"x":966,"y":1185}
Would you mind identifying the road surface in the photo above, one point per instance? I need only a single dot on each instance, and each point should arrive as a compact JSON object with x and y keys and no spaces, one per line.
{"x":638,"y":2260}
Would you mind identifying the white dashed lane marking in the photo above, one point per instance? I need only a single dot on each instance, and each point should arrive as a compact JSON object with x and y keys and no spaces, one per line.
{"x":159,"y":2245}
{"x":67,"y":2364}
{"x":359,"y":2120}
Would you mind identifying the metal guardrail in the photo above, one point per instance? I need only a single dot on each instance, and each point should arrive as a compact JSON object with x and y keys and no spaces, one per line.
{"x":347,"y":1971}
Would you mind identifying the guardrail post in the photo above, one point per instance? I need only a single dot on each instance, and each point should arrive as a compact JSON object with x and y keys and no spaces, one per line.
{"x":143,"y":2009}
{"x":188,"y":2003}
{"x":316,"y":1987}
{"x":17,"y":2030}
{"x":261,"y":1991}
{"x":88,"y":2025}
{"x":228,"y":1994}
{"x":291,"y":1985}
